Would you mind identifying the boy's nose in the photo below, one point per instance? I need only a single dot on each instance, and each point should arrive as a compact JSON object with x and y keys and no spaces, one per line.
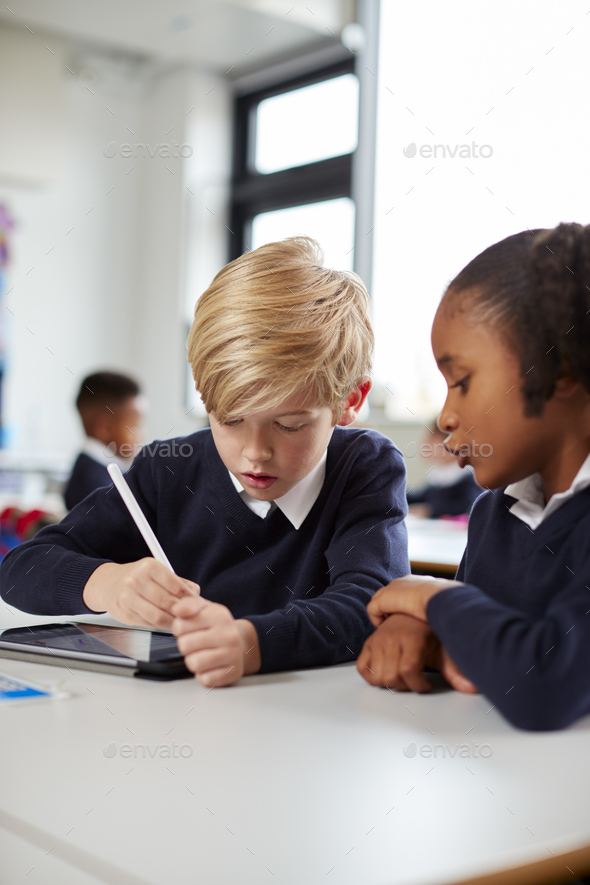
{"x":257,"y":449}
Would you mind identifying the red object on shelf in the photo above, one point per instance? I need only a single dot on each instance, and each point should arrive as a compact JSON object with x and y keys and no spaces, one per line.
{"x":27,"y":519}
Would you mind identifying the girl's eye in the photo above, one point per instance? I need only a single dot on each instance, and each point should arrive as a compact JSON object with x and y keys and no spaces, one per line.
{"x":462,"y":384}
{"x":233,"y":423}
{"x":290,"y":429}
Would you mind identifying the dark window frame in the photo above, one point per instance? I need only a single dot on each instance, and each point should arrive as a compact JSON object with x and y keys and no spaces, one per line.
{"x":255,"y":192}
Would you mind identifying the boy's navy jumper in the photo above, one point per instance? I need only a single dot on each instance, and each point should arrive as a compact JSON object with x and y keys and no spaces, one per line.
{"x":520,"y":627}
{"x":87,"y":475}
{"x":305,"y":590}
{"x":453,"y":500}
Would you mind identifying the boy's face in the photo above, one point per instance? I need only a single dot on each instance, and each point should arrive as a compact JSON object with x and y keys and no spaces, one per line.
{"x":270,"y":451}
{"x":127,"y":423}
{"x":484,"y":409}
{"x":120,"y":424}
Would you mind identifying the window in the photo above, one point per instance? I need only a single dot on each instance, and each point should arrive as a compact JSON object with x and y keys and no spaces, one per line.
{"x":306,"y":125}
{"x":330,"y":222}
{"x":293,"y":163}
{"x":469,"y":151}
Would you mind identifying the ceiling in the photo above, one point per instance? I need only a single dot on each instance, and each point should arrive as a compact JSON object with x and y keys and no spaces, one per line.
{"x":220,"y":35}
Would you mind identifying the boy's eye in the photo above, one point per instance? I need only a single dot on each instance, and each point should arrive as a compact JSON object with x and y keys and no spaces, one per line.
{"x":462,"y":384}
{"x":233,"y":422}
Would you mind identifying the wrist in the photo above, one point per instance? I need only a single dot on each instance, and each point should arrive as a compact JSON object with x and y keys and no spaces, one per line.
{"x":250,"y":646}
{"x":432,"y":588}
{"x":95,"y":592}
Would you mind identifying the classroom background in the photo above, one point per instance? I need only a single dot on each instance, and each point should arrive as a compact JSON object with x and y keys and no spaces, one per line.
{"x":145,"y":144}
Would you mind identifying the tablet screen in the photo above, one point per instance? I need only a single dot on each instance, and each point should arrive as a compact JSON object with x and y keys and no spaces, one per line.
{"x":94,"y":639}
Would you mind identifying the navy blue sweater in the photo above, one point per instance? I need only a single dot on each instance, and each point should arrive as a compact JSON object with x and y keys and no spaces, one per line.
{"x":452,"y":500}
{"x":87,"y":475}
{"x":520,"y":627}
{"x":304,"y":590}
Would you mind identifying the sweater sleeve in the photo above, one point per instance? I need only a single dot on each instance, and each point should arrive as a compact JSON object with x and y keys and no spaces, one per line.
{"x":47,"y":575}
{"x":534,"y":671}
{"x":368,"y":548}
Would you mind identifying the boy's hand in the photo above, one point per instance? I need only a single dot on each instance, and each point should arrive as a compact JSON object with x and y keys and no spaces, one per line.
{"x":408,"y":596}
{"x":218,"y":648}
{"x":397,"y":652}
{"x":141,"y":593}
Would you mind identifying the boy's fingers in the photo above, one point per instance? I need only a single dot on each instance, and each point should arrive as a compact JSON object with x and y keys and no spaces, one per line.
{"x":150,"y":615}
{"x":218,"y":678}
{"x":208,"y":615}
{"x":201,"y":662}
{"x":191,"y":588}
{"x":197,"y":640}
{"x":154,"y":594}
{"x":188,"y":607}
{"x":161,"y":574}
{"x":187,"y":619}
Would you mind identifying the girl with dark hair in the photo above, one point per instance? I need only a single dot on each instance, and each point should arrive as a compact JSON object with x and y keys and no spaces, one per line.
{"x":512,"y":339}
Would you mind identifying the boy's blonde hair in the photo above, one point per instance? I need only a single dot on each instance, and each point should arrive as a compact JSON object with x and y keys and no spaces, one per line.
{"x":275,"y":322}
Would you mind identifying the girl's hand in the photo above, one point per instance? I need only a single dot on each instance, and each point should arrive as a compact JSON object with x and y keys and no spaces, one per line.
{"x":408,"y":596}
{"x":397,"y":652}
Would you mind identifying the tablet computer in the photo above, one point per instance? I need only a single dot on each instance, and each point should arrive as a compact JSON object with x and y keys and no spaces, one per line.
{"x":119,"y":650}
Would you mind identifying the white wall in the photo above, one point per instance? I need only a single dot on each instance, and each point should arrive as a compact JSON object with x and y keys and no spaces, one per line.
{"x":31,"y":73}
{"x":107,"y":241}
{"x":73,"y":276}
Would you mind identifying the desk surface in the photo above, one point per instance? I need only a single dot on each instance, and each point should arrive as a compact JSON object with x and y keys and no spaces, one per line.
{"x":435,"y":545}
{"x":295,"y":778}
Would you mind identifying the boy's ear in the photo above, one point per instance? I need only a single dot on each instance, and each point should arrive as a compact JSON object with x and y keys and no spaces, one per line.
{"x":354,"y":402}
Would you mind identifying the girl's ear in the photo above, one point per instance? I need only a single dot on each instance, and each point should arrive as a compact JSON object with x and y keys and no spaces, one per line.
{"x":566,"y":386}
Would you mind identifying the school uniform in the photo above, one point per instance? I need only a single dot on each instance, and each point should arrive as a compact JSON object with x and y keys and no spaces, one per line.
{"x":451,"y":491}
{"x":302,"y":573}
{"x":90,"y":472}
{"x":520,"y":627}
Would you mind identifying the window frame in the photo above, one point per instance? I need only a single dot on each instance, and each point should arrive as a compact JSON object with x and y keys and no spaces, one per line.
{"x":254,"y":192}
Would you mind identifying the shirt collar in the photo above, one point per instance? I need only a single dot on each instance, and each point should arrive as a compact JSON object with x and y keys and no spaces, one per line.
{"x":297,"y":502}
{"x":530,"y":505}
{"x":100,"y":453}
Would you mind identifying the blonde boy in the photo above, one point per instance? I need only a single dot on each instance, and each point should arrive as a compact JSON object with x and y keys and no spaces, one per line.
{"x":288,"y":521}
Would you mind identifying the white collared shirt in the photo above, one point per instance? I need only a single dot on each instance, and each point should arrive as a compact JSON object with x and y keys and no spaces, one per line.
{"x":296,"y":503}
{"x":530,"y":506}
{"x":101,"y":453}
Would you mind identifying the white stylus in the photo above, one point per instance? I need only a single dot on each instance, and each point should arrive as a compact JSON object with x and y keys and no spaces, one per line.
{"x":138,"y":516}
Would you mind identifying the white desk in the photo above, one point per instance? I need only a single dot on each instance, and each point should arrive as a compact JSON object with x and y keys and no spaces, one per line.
{"x":294,"y":778}
{"x":435,"y":545}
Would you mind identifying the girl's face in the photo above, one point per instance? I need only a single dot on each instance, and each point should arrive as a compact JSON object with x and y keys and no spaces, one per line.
{"x":484,"y":409}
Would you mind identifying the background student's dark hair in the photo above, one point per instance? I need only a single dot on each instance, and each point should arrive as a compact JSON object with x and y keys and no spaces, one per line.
{"x":535,"y":288}
{"x":105,"y":387}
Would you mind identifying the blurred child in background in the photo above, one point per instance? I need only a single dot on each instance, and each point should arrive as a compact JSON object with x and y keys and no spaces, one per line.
{"x":451,"y":489}
{"x":111,"y":409}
